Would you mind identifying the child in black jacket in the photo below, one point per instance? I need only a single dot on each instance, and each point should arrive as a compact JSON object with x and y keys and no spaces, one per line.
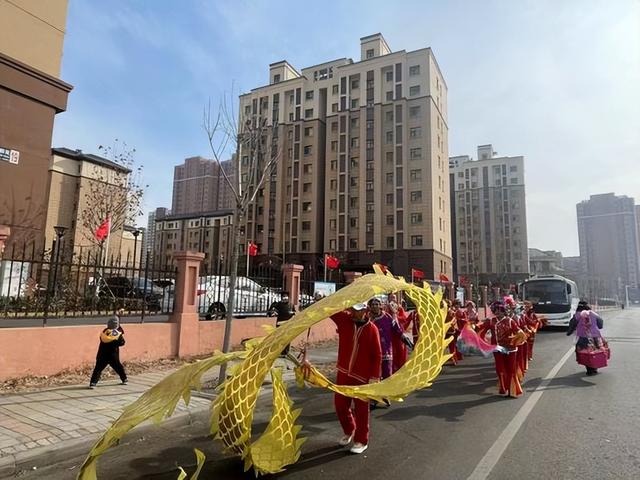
{"x":111,"y":339}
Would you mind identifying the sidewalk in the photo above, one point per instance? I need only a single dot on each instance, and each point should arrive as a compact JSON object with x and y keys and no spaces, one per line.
{"x":64,"y":422}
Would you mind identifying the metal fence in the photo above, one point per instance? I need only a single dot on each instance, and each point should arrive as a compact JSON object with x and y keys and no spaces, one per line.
{"x":49,"y":284}
{"x":314,"y":285}
{"x":255,"y":293}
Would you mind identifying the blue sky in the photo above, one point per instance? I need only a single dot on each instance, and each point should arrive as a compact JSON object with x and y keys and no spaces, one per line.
{"x":555,"y":81}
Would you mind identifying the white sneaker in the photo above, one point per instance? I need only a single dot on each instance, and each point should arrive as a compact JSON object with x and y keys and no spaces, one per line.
{"x":358,"y":448}
{"x":346,"y":440}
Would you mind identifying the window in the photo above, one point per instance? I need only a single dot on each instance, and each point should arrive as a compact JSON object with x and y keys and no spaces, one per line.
{"x":334,"y":127}
{"x":414,"y":112}
{"x":354,"y":181}
{"x":416,"y":218}
{"x":333,"y":184}
{"x":247,"y":110}
{"x":389,"y":198}
{"x":389,"y":157}
{"x":307,"y":149}
{"x":513,"y":168}
{"x":306,"y":244}
{"x":414,"y":70}
{"x":370,"y":53}
{"x":355,"y":123}
{"x":416,"y":240}
{"x":389,"y":242}
{"x":308,"y":131}
{"x":461,"y":174}
{"x":332,"y":244}
{"x":390,"y":98}
{"x":334,"y":107}
{"x":332,"y":204}
{"x":306,"y":226}
{"x":388,"y":137}
{"x":308,"y":113}
{"x":389,"y":177}
{"x":353,"y":202}
{"x":308,"y":95}
{"x":353,"y":222}
{"x":415,"y":153}
{"x":416,"y":196}
{"x":514,"y":180}
{"x":334,"y":164}
{"x":276,"y":78}
{"x":334,"y":145}
{"x":415,"y":132}
{"x":355,"y":83}
{"x":306,"y":187}
{"x":369,"y":185}
{"x":355,"y":142}
{"x":353,"y":243}
{"x":390,"y":219}
{"x":355,"y":103}
{"x":334,"y":90}
{"x":306,"y":206}
{"x":354,"y":162}
{"x":389,"y":76}
{"x":308,"y":168}
{"x":332,"y":224}
{"x":414,"y":90}
{"x":388,"y":116}
{"x":415,"y":174}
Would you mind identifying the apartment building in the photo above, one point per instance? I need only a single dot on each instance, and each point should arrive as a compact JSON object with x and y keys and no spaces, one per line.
{"x":208,"y":232}
{"x":490,"y":217}
{"x":362,"y":169}
{"x":199,"y":186}
{"x":608,"y":239}
{"x":31,"y":94}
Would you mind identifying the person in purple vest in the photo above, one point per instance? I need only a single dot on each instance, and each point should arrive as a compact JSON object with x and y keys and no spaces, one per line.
{"x":587,"y":325}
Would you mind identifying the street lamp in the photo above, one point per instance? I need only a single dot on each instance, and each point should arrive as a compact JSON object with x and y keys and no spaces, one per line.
{"x":59,"y":236}
{"x":135,"y":233}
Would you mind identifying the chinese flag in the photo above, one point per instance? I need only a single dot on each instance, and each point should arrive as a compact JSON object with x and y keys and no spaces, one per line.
{"x":252,"y":249}
{"x":417,"y":274}
{"x":331,"y":262}
{"x":444,"y":278}
{"x":102,"y":231}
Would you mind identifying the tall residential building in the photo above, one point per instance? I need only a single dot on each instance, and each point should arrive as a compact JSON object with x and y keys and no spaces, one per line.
{"x":363,"y":171}
{"x":208,"y":232}
{"x":31,"y":94}
{"x":608,"y":238}
{"x":490,"y":216}
{"x":199,"y":186}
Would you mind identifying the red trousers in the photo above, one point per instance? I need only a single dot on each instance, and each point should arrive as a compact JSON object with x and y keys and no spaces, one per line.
{"x":400,"y":353}
{"x":523,"y":359}
{"x":453,"y":349}
{"x":507,"y":370}
{"x":530,"y":343}
{"x":358,"y":423}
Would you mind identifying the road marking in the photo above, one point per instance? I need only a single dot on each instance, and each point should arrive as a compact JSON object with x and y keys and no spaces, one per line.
{"x":490,"y":459}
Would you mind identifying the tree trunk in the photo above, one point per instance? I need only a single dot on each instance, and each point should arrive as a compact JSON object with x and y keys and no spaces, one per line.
{"x":238,"y":217}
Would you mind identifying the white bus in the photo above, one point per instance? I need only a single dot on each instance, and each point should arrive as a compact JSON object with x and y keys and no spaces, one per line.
{"x":554,"y":296}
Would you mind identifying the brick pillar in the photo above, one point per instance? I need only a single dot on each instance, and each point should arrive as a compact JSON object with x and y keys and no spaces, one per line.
{"x":291,"y":281}
{"x":350,"y":277}
{"x":186,"y":305}
{"x":484,"y":298}
{"x":5,"y":231}
{"x":452,"y":291}
{"x":496,"y":293}
{"x":468,"y":292}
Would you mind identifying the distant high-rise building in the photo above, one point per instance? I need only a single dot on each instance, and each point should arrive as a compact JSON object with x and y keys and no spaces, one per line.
{"x":199,"y":186}
{"x":148,"y":248}
{"x":608,"y":237}
{"x":490,"y":217}
{"x":363,"y":172}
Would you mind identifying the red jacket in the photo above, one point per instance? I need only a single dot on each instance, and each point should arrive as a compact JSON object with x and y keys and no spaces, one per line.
{"x":359,"y":349}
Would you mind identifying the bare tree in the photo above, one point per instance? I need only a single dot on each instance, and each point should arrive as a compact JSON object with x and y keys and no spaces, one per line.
{"x":255,"y":142}
{"x":115,"y":192}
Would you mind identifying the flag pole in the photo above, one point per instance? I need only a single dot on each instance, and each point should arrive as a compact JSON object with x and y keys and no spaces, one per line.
{"x":325,"y":267}
{"x":412,"y":280}
{"x":106,"y":250}
{"x":248,"y":247}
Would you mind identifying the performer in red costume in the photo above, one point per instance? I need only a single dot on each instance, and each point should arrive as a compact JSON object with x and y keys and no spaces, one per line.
{"x":400,"y":349}
{"x":456,"y":313}
{"x":506,"y":335}
{"x":532,"y":322}
{"x":472,"y":314}
{"x":523,"y":351}
{"x":359,"y":362}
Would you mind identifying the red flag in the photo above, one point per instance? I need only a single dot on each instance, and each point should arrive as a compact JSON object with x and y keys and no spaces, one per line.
{"x":102,"y":231}
{"x":444,"y":278}
{"x":331,"y":262}
{"x":382,"y":267}
{"x":464,"y":281}
{"x":417,"y":274}
{"x":252,"y":249}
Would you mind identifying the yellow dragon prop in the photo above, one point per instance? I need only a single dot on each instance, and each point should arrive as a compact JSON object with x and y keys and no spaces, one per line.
{"x":232,"y":413}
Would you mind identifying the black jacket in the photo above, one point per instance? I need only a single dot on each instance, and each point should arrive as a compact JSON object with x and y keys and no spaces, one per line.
{"x":110,"y":344}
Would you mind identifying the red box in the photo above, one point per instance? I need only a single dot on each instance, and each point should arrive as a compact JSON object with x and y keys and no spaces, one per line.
{"x":592,"y":359}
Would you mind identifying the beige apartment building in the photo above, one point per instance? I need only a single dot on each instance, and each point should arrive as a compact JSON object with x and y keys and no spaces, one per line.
{"x":31,"y":94}
{"x":199,"y":186}
{"x":363,"y":170}
{"x":208,"y":232}
{"x":71,"y":176}
{"x":490,"y":217}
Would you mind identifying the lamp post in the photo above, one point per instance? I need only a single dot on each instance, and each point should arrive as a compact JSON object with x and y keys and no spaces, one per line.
{"x":59,"y":236}
{"x":626,"y":296}
{"x":135,"y":233}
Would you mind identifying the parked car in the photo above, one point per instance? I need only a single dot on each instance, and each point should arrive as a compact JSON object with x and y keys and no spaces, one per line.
{"x":138,"y":291}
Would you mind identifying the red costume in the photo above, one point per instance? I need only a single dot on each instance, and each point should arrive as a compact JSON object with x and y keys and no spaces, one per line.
{"x":359,"y":360}
{"x":459,"y":323}
{"x":532,"y":323}
{"x":502,"y":334}
{"x":400,"y":352}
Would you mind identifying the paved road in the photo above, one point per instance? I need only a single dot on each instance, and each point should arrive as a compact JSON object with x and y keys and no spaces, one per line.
{"x":566,"y":427}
